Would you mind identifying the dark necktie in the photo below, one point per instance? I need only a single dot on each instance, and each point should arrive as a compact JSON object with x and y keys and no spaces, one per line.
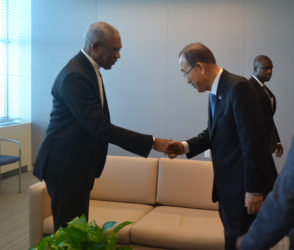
{"x":269,"y":96}
{"x":212,"y":99}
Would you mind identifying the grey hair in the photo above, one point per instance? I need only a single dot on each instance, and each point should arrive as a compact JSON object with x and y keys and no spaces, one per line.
{"x":98,"y":33}
{"x":197,"y":52}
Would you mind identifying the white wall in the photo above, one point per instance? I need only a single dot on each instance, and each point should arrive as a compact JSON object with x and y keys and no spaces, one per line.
{"x":145,"y":89}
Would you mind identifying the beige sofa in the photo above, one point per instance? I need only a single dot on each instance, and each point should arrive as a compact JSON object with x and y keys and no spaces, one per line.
{"x":169,"y":202}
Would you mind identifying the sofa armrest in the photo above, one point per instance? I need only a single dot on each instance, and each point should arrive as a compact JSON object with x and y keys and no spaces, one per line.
{"x":39,"y":209}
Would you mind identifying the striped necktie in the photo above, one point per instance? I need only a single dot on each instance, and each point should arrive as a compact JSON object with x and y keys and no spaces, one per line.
{"x":100,"y":88}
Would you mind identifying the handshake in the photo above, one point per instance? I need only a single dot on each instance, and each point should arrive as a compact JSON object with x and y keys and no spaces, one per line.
{"x":169,"y":147}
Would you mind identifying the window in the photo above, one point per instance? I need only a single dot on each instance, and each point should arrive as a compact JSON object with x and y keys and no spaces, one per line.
{"x":15,"y":59}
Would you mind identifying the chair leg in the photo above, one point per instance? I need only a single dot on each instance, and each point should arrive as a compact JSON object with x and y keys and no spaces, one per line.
{"x":19,"y":177}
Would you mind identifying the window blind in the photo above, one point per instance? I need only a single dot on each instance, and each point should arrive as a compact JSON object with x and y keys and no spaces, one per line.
{"x":15,"y":59}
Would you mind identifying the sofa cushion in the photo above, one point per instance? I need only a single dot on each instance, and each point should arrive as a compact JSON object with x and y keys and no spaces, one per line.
{"x":102,"y":211}
{"x":127,"y":179}
{"x":179,"y":228}
{"x":140,"y":247}
{"x":48,"y":227}
{"x":185,"y":183}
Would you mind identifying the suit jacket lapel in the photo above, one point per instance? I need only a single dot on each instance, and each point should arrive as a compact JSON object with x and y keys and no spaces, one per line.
{"x":88,"y":66}
{"x":105,"y":105}
{"x":272,"y":96}
{"x":265,"y":95}
{"x":92,"y":74}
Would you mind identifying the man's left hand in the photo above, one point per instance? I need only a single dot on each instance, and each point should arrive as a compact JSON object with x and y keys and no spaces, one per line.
{"x":253,"y":202}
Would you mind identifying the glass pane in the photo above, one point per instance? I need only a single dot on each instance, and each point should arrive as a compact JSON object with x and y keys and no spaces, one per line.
{"x":3,"y":20}
{"x":3,"y":80}
{"x":15,"y":58}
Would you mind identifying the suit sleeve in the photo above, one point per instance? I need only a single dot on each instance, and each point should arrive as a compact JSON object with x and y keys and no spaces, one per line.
{"x":247,"y":115}
{"x":276,"y":133}
{"x":198,"y":144}
{"x":275,"y":218}
{"x":82,"y":99}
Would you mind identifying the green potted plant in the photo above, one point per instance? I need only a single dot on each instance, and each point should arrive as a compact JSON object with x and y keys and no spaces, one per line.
{"x":81,"y":235}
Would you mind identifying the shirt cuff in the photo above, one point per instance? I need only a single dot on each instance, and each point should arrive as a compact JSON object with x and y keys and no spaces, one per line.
{"x":186,"y":146}
{"x":254,"y":193}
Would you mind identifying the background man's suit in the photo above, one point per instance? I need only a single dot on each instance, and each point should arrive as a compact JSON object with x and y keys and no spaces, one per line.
{"x":276,"y":216}
{"x":74,"y":150}
{"x":268,"y":111}
{"x":236,"y":140}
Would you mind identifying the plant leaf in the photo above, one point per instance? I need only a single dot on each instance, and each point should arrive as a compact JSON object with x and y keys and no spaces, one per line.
{"x":108,"y":225}
{"x":121,"y":225}
{"x":41,"y":245}
{"x":79,"y":223}
{"x":79,"y":234}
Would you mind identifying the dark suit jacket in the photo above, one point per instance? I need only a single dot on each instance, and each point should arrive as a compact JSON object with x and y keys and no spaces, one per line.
{"x":276,"y":216}
{"x":236,"y":140}
{"x":80,"y":129}
{"x":268,"y":111}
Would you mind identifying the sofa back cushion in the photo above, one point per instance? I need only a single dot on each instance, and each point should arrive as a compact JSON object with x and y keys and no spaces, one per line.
{"x":127,"y":179}
{"x":185,"y":183}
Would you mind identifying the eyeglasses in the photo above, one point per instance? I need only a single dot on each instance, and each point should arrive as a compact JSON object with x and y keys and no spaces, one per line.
{"x":188,"y":72}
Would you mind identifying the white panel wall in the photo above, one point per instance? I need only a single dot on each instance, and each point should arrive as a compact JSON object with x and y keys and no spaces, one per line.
{"x":136,"y":86}
{"x":145,"y":89}
{"x":57,"y":35}
{"x":270,"y":31}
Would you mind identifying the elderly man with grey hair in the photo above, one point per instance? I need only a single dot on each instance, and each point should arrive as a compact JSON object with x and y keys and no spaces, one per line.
{"x":74,"y":150}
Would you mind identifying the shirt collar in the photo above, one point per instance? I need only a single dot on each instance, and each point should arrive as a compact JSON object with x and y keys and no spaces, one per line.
{"x":215,"y":82}
{"x":259,"y":82}
{"x":94,"y":64}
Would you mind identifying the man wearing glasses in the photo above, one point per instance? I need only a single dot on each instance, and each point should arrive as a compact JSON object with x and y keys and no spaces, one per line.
{"x":235,"y":137}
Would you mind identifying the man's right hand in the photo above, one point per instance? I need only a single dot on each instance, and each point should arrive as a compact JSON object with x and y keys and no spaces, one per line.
{"x":253,"y":202}
{"x":161,"y":145}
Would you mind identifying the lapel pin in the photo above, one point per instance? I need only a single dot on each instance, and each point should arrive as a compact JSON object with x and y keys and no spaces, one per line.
{"x":219,"y":97}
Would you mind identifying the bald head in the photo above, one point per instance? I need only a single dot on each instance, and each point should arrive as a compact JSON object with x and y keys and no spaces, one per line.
{"x":197,"y":52}
{"x":261,"y":59}
{"x":100,"y":33}
{"x":262,"y":68}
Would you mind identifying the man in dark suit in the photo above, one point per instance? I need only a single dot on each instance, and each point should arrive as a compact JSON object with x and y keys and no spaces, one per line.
{"x":235,"y":137}
{"x":74,"y":150}
{"x":276,"y":216}
{"x":262,"y":72}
